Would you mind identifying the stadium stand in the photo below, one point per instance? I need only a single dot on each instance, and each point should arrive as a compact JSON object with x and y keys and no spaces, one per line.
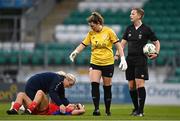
{"x":165,"y":27}
{"x":164,"y":23}
{"x":16,"y":3}
{"x":74,"y":30}
{"x":113,"y":5}
{"x":75,"y":33}
{"x":162,"y":15}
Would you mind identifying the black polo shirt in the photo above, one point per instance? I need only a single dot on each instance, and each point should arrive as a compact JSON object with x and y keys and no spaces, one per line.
{"x":138,"y":38}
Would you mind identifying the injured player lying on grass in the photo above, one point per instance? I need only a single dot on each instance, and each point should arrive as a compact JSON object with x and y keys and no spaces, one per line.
{"x":41,"y":106}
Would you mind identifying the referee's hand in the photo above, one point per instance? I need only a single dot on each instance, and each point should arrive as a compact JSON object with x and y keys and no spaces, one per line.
{"x":152,"y":56}
{"x":123,"y":64}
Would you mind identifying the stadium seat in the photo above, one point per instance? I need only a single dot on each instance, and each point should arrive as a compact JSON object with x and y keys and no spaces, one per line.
{"x":37,"y":57}
{"x":12,"y":57}
{"x":55,"y":57}
{"x":76,"y":33}
{"x":3,"y":56}
{"x":177,"y":72}
{"x":25,"y":54}
{"x":83,"y":58}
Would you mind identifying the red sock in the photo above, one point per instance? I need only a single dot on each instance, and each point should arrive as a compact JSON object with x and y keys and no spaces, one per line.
{"x":16,"y":106}
{"x":32,"y":106}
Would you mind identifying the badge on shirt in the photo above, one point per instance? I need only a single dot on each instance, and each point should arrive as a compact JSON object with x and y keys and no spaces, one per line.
{"x":104,"y":36}
{"x":140,"y":35}
{"x":142,"y":76}
{"x":129,"y":35}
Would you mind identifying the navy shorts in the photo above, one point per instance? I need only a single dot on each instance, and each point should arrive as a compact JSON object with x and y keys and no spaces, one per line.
{"x":30,"y":92}
{"x":137,"y":68}
{"x":107,"y":71}
{"x":30,"y":88}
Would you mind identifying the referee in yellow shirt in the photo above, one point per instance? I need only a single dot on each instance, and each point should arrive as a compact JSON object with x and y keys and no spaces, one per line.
{"x":101,"y":39}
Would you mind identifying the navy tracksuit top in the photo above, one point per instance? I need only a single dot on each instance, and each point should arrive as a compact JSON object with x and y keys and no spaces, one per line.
{"x":50,"y":83}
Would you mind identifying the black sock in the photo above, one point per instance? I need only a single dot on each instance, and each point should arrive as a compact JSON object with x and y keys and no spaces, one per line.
{"x":107,"y":97}
{"x":134,"y":98}
{"x":142,"y":98}
{"x":95,"y":94}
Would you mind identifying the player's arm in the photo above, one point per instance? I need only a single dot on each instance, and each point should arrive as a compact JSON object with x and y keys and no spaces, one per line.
{"x":120,"y":51}
{"x":57,"y":94}
{"x":62,"y":109}
{"x":123,"y":44}
{"x":76,"y":51}
{"x":57,"y":99}
{"x":79,"y":111}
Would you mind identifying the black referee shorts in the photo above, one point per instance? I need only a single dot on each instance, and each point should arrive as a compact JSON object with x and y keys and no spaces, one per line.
{"x":107,"y":71}
{"x":137,"y":68}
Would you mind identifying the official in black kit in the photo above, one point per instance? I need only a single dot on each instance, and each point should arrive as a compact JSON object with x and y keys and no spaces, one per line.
{"x":137,"y":35}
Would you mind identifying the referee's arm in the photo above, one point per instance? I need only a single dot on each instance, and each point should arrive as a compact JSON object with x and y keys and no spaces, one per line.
{"x":155,"y":55}
{"x":157,"y":44}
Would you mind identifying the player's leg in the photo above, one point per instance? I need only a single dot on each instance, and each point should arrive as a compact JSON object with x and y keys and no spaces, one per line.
{"x":21,"y":99}
{"x":95,"y":76}
{"x":40,"y":102}
{"x":107,"y":94}
{"x":43,"y":102}
{"x":107,"y":73}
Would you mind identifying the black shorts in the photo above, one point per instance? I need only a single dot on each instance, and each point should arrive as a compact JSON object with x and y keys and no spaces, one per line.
{"x":107,"y":71}
{"x":137,"y":68}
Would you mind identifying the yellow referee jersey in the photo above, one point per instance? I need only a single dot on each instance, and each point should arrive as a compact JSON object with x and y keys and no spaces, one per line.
{"x":101,"y":46}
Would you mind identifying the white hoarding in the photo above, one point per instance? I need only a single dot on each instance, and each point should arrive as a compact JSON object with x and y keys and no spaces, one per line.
{"x":163,"y":94}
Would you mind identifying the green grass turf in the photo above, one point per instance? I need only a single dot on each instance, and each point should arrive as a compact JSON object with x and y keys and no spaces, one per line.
{"x":119,"y":112}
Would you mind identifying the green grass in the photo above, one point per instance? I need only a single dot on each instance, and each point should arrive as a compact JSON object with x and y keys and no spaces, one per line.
{"x":119,"y":112}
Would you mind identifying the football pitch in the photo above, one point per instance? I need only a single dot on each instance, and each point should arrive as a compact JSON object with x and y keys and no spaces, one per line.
{"x":119,"y":112}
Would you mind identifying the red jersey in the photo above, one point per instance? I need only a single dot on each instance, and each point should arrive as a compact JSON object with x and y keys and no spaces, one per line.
{"x":47,"y":110}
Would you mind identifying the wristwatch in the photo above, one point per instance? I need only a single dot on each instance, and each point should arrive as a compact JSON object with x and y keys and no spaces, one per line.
{"x":117,"y":55}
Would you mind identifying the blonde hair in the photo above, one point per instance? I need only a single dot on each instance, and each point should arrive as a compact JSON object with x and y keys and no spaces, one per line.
{"x":71,"y":77}
{"x":61,"y":73}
